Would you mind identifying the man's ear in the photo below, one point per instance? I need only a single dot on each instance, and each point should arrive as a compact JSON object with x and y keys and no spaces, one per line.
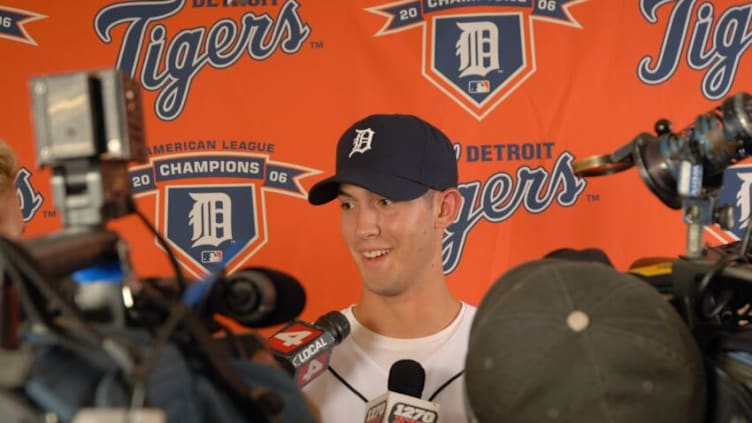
{"x":449,"y":203}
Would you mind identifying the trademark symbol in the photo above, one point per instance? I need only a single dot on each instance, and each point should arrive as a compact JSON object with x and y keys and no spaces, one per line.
{"x":49,"y":213}
{"x":593,"y":197}
{"x":317,"y":44}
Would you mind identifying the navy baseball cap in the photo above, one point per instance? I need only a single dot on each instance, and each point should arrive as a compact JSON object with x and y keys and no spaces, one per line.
{"x":397,"y":156}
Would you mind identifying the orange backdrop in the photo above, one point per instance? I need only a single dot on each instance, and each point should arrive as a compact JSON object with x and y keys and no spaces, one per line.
{"x":277,"y":81}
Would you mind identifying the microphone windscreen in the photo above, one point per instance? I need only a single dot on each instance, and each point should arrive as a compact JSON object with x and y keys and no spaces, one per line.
{"x":287,"y":295}
{"x":407,"y":377}
{"x":335,"y":323}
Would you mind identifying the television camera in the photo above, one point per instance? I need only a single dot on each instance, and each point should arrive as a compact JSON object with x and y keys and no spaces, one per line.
{"x":82,"y":333}
{"x":710,"y":286}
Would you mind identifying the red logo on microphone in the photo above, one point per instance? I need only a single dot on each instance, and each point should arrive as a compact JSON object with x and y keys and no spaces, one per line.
{"x":293,"y":336}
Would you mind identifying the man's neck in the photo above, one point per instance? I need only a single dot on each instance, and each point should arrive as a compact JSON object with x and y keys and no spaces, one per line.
{"x":414,"y":314}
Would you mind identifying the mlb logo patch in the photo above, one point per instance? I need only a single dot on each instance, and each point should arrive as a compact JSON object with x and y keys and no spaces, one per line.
{"x":479,"y":86}
{"x":211,"y":256}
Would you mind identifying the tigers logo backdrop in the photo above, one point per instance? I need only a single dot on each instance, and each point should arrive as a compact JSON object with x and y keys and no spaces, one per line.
{"x":245,"y":101}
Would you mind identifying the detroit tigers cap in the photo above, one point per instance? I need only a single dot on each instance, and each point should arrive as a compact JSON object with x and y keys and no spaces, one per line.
{"x":573,"y":341}
{"x":397,"y":156}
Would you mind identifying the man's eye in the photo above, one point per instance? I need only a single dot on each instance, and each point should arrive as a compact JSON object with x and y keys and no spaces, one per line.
{"x":345,"y":206}
{"x":385,"y":202}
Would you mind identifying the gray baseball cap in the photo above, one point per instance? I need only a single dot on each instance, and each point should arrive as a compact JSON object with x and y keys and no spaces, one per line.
{"x":569,"y":341}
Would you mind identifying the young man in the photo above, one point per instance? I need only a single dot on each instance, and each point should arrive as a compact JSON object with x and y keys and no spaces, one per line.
{"x":396,"y":183}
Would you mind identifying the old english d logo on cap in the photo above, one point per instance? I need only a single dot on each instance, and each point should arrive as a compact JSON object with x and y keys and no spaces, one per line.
{"x":362,"y":141}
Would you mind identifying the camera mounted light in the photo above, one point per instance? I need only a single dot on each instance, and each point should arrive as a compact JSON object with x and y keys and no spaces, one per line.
{"x":88,"y":125}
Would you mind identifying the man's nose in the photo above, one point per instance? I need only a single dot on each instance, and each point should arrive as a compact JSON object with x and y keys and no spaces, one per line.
{"x":368,"y":225}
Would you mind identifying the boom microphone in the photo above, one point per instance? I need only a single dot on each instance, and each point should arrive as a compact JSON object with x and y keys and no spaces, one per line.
{"x":402,"y":403}
{"x":257,"y":297}
{"x":304,"y":349}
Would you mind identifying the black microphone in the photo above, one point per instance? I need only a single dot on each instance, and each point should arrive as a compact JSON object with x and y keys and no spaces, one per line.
{"x":407,"y":377}
{"x":257,"y":297}
{"x":304,"y":349}
{"x":402,"y":403}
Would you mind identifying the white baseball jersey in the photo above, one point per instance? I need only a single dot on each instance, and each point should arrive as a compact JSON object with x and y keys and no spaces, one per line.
{"x":354,"y":377}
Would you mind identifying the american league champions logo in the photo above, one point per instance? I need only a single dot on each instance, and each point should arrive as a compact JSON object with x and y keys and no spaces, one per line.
{"x":210,"y":206}
{"x":479,"y":52}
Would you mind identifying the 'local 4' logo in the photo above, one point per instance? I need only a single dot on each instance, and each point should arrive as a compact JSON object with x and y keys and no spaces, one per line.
{"x":309,"y":347}
{"x":476,"y":52}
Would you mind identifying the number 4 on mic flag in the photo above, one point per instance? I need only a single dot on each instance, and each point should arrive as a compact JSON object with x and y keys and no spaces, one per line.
{"x":303,"y":349}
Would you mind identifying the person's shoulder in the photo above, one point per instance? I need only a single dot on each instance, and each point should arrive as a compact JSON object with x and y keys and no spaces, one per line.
{"x":348,"y":313}
{"x":469,"y":310}
{"x":468,"y":306}
{"x":466,"y":318}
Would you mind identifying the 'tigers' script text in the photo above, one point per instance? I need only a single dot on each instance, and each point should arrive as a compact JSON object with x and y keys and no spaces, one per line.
{"x":170,"y":63}
{"x":717,"y":49}
{"x":501,"y":195}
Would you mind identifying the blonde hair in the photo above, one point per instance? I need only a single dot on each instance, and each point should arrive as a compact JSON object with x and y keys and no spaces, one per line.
{"x":8,"y":166}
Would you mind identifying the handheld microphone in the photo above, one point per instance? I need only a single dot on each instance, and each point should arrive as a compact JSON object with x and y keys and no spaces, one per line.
{"x":304,"y":349}
{"x":402,"y":403}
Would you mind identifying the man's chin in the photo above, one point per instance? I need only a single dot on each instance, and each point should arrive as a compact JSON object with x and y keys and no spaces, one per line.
{"x":383,"y":290}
